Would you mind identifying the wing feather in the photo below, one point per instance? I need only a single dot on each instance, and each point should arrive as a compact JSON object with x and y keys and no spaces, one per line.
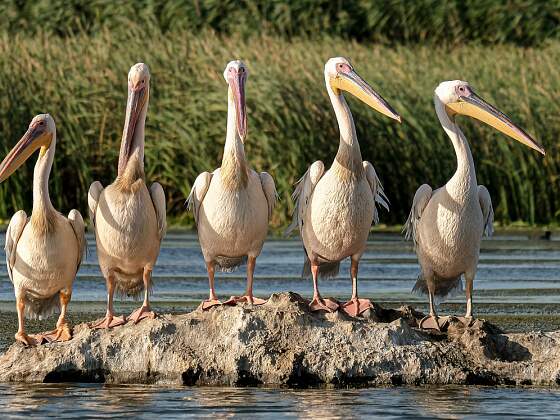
{"x":158,"y":199}
{"x":487,"y":210}
{"x":269,"y":190}
{"x":302,"y":194}
{"x":79,"y":227}
{"x":198,"y":191}
{"x":93,"y":199}
{"x":13,"y":233}
{"x":421,"y":199}
{"x":376,"y":188}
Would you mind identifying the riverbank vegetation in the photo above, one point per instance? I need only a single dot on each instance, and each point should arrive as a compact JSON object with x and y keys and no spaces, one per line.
{"x":80,"y":79}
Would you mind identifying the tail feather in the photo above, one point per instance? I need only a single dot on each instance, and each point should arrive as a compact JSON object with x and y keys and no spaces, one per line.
{"x":445,"y":287}
{"x":131,"y":285}
{"x":40,"y":307}
{"x":230,"y":264}
{"x":326,"y":270}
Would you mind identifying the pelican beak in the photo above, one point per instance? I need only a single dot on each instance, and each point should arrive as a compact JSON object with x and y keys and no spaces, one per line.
{"x":137,"y":96}
{"x":34,"y":138}
{"x":352,"y":83}
{"x":237,"y":84}
{"x":474,"y":106}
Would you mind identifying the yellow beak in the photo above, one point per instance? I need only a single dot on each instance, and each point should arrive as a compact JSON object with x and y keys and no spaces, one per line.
{"x":352,"y":83}
{"x":34,"y":138}
{"x":475,"y":107}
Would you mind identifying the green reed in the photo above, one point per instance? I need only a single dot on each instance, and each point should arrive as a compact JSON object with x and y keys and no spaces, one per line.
{"x":81,"y":81}
{"x":524,"y":22}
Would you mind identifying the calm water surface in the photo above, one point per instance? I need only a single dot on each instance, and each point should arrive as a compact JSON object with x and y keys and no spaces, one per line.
{"x":103,"y":401}
{"x":517,"y":287}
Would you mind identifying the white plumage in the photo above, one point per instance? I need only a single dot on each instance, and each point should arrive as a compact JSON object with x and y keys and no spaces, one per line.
{"x":44,"y":251}
{"x":232,"y":206}
{"x":129,"y":219}
{"x":334,"y":208}
{"x":447,"y":224}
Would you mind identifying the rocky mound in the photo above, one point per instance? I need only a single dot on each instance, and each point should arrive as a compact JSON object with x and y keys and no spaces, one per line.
{"x":282,"y":343}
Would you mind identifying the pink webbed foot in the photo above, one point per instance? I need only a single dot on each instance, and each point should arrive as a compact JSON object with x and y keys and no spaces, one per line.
{"x":109,"y":321}
{"x":355,"y":306}
{"x":320,"y":304}
{"x":29,"y":340}
{"x":234,"y":300}
{"x":141,"y":313}
{"x":62,"y":333}
{"x":467,"y":321}
{"x":209,"y":303}
{"x":433,"y":322}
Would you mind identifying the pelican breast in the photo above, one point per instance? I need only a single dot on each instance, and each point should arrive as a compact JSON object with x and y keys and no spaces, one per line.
{"x":45,"y":260}
{"x":233,"y":221}
{"x":126,"y":227}
{"x":450,"y":233}
{"x":339,"y":217}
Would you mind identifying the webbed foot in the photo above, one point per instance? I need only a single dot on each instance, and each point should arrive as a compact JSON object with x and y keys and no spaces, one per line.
{"x":109,"y":321}
{"x":320,"y":304}
{"x":140,"y":314}
{"x":234,"y":300}
{"x":355,"y":307}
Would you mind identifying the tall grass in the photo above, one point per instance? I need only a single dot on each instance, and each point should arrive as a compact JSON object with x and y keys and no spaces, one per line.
{"x":524,"y":22}
{"x":81,"y":81}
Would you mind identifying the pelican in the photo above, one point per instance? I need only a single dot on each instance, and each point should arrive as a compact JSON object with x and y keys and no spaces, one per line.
{"x":447,"y":224}
{"x":129,"y":219}
{"x":233,"y":205}
{"x":44,"y":251}
{"x":335,"y":208}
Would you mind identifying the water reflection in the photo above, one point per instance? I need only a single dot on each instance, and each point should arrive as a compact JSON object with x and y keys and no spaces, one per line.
{"x":105,"y":401}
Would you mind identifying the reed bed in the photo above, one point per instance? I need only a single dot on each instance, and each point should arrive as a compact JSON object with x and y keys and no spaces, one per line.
{"x":81,"y":80}
{"x":523,"y":22}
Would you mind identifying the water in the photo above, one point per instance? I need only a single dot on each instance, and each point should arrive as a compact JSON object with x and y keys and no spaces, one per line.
{"x":104,"y":401}
{"x":516,"y":288}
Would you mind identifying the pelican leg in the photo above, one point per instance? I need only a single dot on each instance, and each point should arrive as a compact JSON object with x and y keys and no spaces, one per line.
{"x":62,"y":331}
{"x":213,"y":299}
{"x":248,"y":297}
{"x":432,"y":321}
{"x":468,"y":318}
{"x":318,"y":303}
{"x":355,"y":306}
{"x":144,"y":311}
{"x":110,"y":319}
{"x":21,"y":335}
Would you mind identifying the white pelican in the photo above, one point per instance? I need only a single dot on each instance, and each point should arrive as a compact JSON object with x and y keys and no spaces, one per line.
{"x":233,"y":205}
{"x":447,"y":224}
{"x":44,"y":251}
{"x":335,"y":208}
{"x":129,"y":219}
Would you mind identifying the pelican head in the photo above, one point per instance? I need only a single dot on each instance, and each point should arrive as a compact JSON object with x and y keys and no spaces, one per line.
{"x":459,"y":98}
{"x":236,"y":75}
{"x":340,"y":76}
{"x":39,"y":135}
{"x":138,"y":95}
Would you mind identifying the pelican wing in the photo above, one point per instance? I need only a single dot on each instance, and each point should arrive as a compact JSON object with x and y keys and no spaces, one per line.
{"x":13,"y":233}
{"x":302,"y":193}
{"x":421,"y":199}
{"x":198,"y":191}
{"x":487,"y":210}
{"x":376,"y":188}
{"x":158,"y":198}
{"x":269,"y":190}
{"x":93,"y":199}
{"x":79,"y":227}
